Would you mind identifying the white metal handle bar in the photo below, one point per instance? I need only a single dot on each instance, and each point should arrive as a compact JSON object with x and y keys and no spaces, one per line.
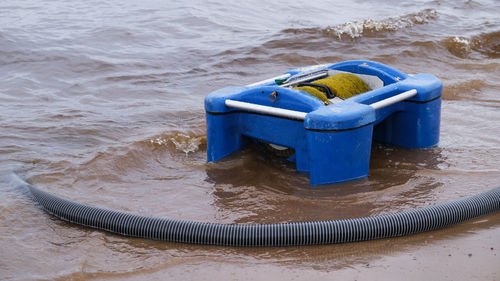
{"x":299,"y":115}
{"x":267,"y":109}
{"x":292,"y":81}
{"x":295,"y":79}
{"x":394,"y":99}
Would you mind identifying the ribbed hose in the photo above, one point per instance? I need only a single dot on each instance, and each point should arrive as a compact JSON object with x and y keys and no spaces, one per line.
{"x":280,"y":234}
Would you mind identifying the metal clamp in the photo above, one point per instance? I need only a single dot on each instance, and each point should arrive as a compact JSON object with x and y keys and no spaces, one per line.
{"x":273,"y":96}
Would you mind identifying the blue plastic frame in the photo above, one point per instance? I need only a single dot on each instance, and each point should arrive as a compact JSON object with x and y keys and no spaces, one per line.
{"x":333,"y":143}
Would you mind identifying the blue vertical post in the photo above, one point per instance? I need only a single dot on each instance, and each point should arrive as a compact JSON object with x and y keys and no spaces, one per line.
{"x":414,"y":123}
{"x":339,"y":142}
{"x":223,"y":128}
{"x":223,"y":135}
{"x":339,"y":155}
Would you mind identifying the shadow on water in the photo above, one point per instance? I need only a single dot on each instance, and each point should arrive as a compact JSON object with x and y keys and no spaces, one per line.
{"x":263,"y":188}
{"x":389,"y":166}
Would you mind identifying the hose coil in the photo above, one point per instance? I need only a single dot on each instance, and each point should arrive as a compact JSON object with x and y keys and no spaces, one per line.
{"x":280,"y":234}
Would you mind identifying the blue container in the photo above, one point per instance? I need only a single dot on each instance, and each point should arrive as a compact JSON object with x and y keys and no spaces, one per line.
{"x":331,"y":142}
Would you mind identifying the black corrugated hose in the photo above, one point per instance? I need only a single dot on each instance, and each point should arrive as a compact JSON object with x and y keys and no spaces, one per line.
{"x":280,"y":234}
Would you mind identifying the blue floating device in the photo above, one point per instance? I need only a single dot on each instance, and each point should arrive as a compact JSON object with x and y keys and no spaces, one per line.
{"x":332,"y":141}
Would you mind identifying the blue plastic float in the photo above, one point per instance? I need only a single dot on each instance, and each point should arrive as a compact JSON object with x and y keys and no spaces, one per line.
{"x":331,"y":142}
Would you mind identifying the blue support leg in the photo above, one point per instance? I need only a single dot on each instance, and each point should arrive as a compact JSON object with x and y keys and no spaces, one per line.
{"x":223,"y":136}
{"x":339,"y":156}
{"x":417,"y":126}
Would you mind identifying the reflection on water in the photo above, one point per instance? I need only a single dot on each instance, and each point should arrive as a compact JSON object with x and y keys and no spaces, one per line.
{"x":267,"y":189}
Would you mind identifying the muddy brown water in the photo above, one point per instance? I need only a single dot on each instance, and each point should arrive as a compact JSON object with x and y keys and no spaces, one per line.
{"x":102,"y":102}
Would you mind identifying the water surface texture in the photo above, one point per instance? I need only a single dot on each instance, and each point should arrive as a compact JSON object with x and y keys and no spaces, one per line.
{"x":102,"y":102}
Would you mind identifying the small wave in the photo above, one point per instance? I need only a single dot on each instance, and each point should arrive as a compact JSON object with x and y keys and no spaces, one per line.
{"x":357,"y":29}
{"x":181,"y":142}
{"x":155,"y":156}
{"x":459,"y":46}
{"x":465,"y":90}
{"x":142,"y":151}
{"x":487,"y":44}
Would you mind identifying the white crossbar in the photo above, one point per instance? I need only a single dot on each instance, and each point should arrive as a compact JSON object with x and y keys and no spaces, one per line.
{"x":299,"y":115}
{"x":394,"y":99}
